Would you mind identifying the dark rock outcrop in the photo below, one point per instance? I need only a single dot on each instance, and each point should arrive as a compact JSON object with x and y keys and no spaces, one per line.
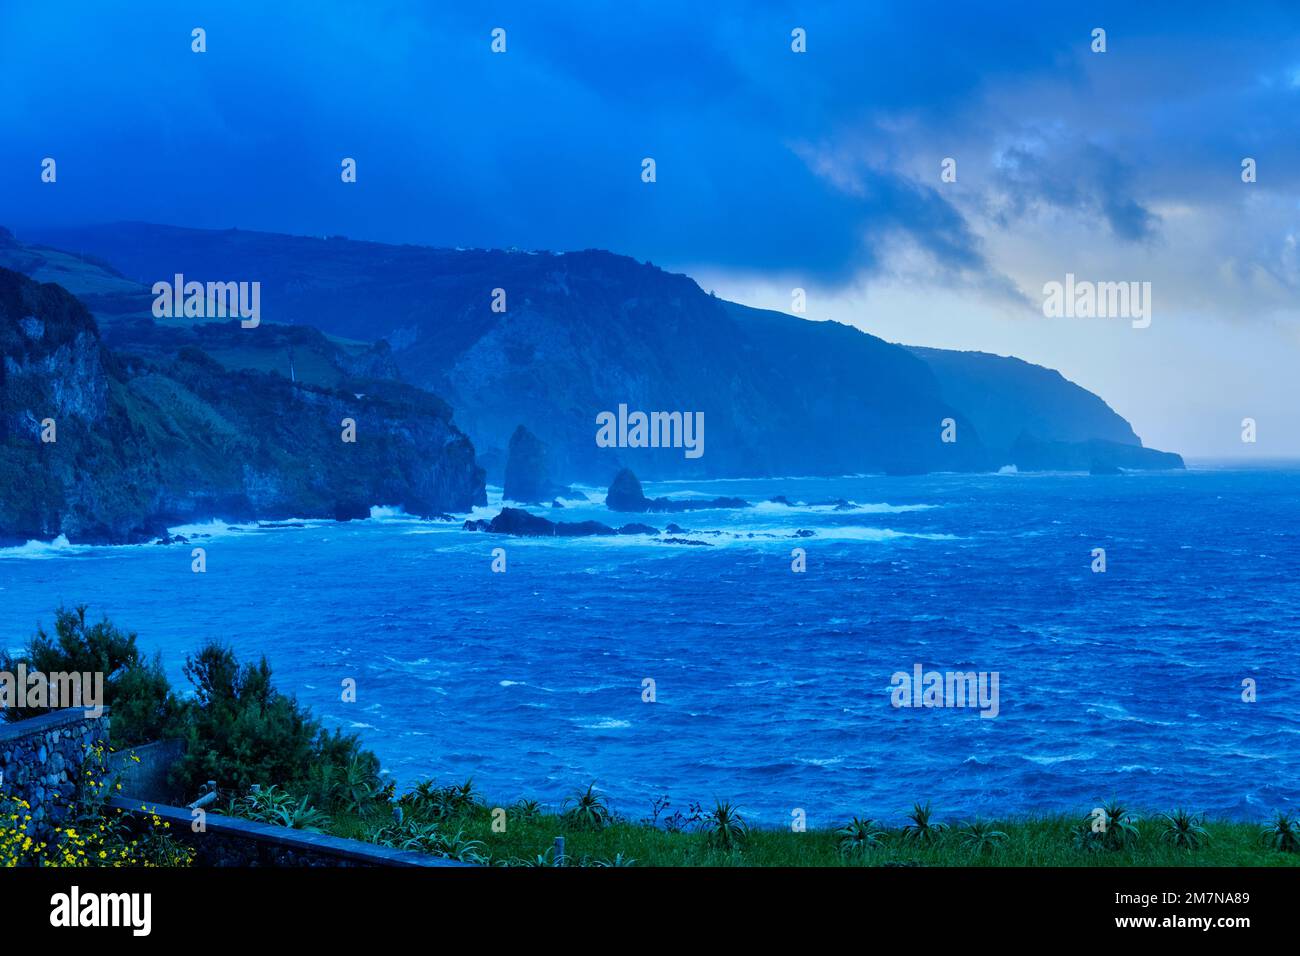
{"x":635,"y":528}
{"x":516,"y":521}
{"x":528,"y":474}
{"x":625,"y":494}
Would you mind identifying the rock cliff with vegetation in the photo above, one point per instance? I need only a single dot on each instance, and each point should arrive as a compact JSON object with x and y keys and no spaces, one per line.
{"x":166,"y":434}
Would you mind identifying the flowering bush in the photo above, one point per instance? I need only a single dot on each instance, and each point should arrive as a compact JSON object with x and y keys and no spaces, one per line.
{"x":91,"y":833}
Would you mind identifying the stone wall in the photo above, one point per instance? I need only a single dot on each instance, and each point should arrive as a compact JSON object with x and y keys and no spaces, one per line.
{"x":232,"y":841}
{"x":143,"y":770}
{"x":43,"y":759}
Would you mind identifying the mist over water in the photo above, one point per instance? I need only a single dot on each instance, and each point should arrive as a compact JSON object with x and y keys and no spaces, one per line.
{"x":772,"y":687}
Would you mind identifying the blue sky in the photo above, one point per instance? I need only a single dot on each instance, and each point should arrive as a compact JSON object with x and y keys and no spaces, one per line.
{"x":775,"y":170}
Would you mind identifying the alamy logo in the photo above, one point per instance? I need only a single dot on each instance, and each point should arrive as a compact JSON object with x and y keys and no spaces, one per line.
{"x":653,"y":430}
{"x":26,"y":689}
{"x":1084,"y":299}
{"x":950,"y":689}
{"x":133,"y":910}
{"x":214,"y":300}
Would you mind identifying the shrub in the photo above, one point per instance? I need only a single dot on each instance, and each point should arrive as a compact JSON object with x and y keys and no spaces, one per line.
{"x":526,"y":811}
{"x":280,"y":808}
{"x":1109,"y":827}
{"x":242,"y":731}
{"x":588,"y":812}
{"x":348,"y":780}
{"x":429,"y":838}
{"x":726,"y":828}
{"x":921,"y":830}
{"x":429,"y":801}
{"x":135,"y":688}
{"x":1282,"y":834}
{"x":981,"y":838}
{"x":1184,"y":829}
{"x":860,"y":836}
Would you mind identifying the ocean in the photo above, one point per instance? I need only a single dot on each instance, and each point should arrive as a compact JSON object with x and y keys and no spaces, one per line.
{"x":772,"y":688}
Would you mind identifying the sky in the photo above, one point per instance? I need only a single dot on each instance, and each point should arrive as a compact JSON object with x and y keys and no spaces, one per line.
{"x":775,"y":170}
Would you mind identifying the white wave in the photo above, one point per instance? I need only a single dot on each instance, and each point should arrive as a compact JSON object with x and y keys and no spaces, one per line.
{"x":775,"y":478}
{"x":577,"y":502}
{"x":731,"y":536}
{"x":820,"y":761}
{"x":856,"y":533}
{"x":58,"y":548}
{"x":390,"y":513}
{"x":524,"y":683}
{"x":855,"y":508}
{"x":607,"y":723}
{"x":216,"y":528}
{"x":418,"y":662}
{"x":488,"y":511}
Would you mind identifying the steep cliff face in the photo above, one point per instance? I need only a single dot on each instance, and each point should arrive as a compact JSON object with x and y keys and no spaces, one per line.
{"x":1035,"y":418}
{"x":580,"y":334}
{"x":143,"y":442}
{"x":57,"y":382}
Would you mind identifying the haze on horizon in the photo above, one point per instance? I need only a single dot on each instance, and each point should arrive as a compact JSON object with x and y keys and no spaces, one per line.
{"x":775,"y":170}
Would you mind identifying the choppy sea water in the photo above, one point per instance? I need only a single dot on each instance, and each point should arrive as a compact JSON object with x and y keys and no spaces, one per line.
{"x":773,"y":688}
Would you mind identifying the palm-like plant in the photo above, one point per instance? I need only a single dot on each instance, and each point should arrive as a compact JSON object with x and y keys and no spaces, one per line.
{"x":459,"y":848}
{"x":859,"y":836}
{"x":408,"y":835}
{"x":1184,"y":829}
{"x":1121,"y":826}
{"x":922,"y":829}
{"x":462,"y":798}
{"x":526,"y":810}
{"x":726,"y":828}
{"x":1283,"y":833}
{"x":1109,"y":827}
{"x":427,"y":799}
{"x":980,"y":837}
{"x":589,"y":811}
{"x":360,"y":787}
{"x":541,"y":859}
{"x":301,"y":816}
{"x":279,"y":808}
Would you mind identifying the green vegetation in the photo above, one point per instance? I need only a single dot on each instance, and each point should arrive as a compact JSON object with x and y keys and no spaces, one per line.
{"x":721,"y":837}
{"x":1184,"y":829}
{"x":238,"y":729}
{"x":135,"y":687}
{"x":91,"y":835}
{"x":921,"y":831}
{"x":157,"y":411}
{"x":275,"y":763}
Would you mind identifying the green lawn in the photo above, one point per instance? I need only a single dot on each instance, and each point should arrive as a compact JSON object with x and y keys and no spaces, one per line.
{"x":1030,"y":841}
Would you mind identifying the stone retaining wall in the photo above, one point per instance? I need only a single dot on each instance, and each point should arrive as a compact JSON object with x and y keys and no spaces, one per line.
{"x":42,"y":759}
{"x":232,"y":841}
{"x":142,"y":770}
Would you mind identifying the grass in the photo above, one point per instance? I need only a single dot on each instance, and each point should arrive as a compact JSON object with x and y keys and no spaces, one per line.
{"x":1023,"y":841}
